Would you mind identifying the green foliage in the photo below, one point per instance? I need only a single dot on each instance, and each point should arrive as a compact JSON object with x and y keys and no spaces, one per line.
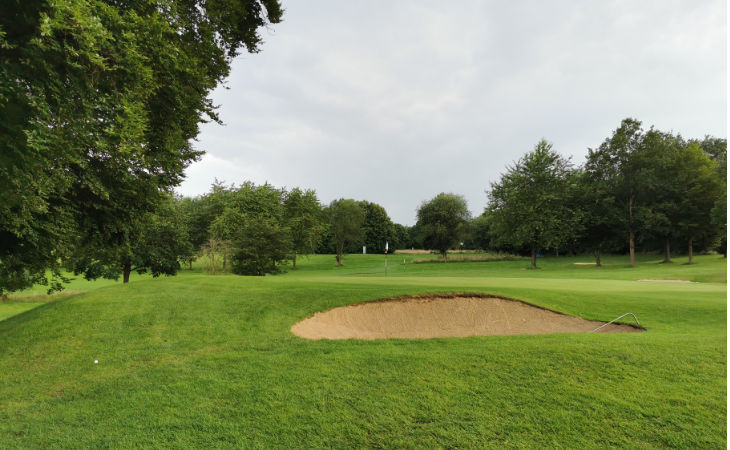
{"x":260,"y":246}
{"x":655,"y":185}
{"x":100,"y":101}
{"x":698,"y":191}
{"x":305,"y":220}
{"x":529,"y":205}
{"x":377,"y":228}
{"x":345,"y":217}
{"x":157,"y":243}
{"x":203,"y":210}
{"x":480,"y":233}
{"x":615,"y":168}
{"x":162,"y":242}
{"x":212,"y":251}
{"x":715,"y":148}
{"x":443,"y":222}
{"x":402,"y":237}
{"x":599,"y":215}
{"x":253,"y":222}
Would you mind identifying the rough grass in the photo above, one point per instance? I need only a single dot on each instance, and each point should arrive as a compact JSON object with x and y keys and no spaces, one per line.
{"x":209,"y":361}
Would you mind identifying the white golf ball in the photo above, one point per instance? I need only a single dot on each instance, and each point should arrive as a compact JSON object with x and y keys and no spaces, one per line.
{"x":96,"y":361}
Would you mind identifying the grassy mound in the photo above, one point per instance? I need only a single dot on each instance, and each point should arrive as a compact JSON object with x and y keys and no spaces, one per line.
{"x":199,"y":360}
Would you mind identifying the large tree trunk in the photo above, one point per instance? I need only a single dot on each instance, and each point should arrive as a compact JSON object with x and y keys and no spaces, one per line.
{"x":632,"y":249}
{"x":689,"y":251}
{"x":667,"y":251}
{"x":597,"y":254}
{"x":294,"y":261}
{"x":126,"y":270}
{"x":533,"y":255}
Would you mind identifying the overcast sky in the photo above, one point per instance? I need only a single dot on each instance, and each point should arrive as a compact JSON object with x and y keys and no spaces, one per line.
{"x":397,"y":101}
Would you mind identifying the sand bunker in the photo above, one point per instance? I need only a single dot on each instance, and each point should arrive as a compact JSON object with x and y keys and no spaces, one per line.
{"x":442,"y":316}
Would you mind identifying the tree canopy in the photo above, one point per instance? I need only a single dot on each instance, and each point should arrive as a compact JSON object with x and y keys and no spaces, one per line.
{"x":345,"y":224}
{"x":377,"y":227}
{"x":100,"y":101}
{"x":616,"y":167}
{"x":304,"y":217}
{"x":443,"y":222}
{"x":254,"y":224}
{"x":528,"y":206}
{"x":157,"y":243}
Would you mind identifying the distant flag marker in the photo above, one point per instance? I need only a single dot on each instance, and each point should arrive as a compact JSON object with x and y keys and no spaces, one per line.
{"x":386,"y":258}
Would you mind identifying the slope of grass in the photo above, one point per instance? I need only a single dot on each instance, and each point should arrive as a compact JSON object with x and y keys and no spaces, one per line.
{"x":198,"y":360}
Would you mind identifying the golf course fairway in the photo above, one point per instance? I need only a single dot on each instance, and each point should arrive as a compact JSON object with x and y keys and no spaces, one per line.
{"x":210,"y":361}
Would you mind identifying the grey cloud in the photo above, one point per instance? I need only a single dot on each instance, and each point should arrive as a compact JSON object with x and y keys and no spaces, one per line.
{"x":394,"y":102}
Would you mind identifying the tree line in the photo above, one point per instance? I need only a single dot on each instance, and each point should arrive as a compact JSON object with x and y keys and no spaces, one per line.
{"x":256,"y":229}
{"x":638,"y":189}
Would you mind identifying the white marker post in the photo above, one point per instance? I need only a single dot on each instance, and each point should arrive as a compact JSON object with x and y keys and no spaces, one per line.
{"x":386,"y":258}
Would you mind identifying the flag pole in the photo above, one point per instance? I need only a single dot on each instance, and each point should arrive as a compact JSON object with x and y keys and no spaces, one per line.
{"x":386,"y":258}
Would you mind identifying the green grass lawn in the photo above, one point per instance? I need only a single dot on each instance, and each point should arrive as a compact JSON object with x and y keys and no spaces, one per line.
{"x":209,"y":361}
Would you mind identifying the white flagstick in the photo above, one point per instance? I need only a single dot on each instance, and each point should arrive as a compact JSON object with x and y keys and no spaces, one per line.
{"x":386,"y":258}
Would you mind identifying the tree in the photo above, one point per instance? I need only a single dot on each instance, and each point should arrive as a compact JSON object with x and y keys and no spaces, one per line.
{"x":260,"y":246}
{"x":442,"y":222}
{"x":699,"y":188}
{"x":719,"y":218}
{"x":157,"y":243}
{"x":253,"y":222}
{"x":303,"y":215}
{"x":402,"y":237}
{"x":100,"y":101}
{"x":480,"y":232}
{"x":213,"y":248}
{"x":717,"y":149}
{"x":185,"y":209}
{"x":345,"y":218}
{"x":203,"y":210}
{"x":528,"y":206}
{"x":377,"y":227}
{"x":656,"y":162}
{"x":616,"y":168}
{"x":598,"y":217}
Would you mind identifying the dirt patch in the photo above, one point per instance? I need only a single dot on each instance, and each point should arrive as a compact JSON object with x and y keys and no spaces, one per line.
{"x":443,"y":316}
{"x":668,"y":281}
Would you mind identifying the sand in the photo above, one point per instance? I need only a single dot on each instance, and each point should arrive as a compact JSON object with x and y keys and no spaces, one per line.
{"x":443,"y":316}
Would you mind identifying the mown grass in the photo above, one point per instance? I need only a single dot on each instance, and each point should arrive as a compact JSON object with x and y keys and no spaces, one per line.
{"x":209,"y":361}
